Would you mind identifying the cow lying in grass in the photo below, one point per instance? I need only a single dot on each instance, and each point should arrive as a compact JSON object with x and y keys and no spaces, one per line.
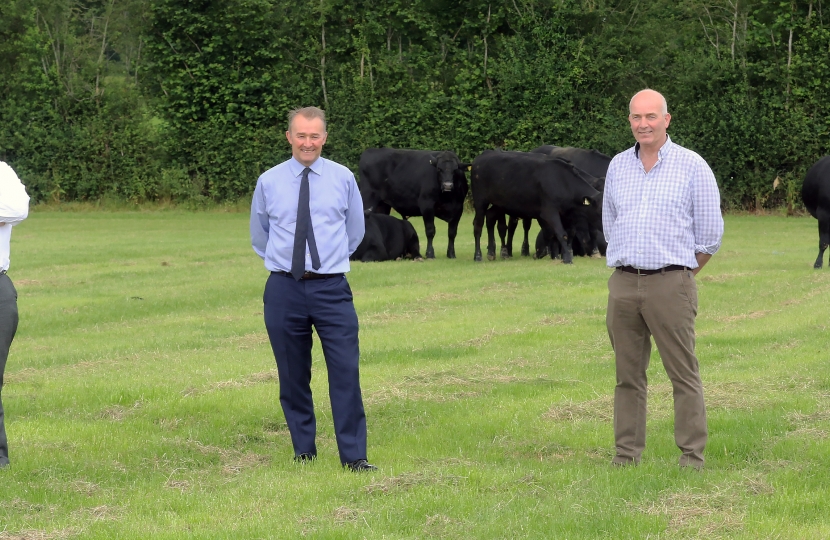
{"x":387,"y":238}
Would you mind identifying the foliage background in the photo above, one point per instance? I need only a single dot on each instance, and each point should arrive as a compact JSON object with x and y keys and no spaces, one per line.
{"x":185,"y":100}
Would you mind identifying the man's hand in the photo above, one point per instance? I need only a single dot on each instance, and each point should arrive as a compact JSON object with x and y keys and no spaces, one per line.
{"x":702,"y":259}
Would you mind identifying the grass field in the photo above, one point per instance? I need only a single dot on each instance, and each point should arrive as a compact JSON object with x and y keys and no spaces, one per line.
{"x":141,"y":394}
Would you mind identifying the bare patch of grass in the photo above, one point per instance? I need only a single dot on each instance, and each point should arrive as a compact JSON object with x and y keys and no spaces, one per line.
{"x":722,"y":278}
{"x":487,"y":337}
{"x":538,"y":451}
{"x":117,"y":413}
{"x":812,"y":293}
{"x":33,"y":534}
{"x":233,"y":461}
{"x":344,"y":514}
{"x":247,"y":460}
{"x":262,"y":377}
{"x":410,"y":480}
{"x":555,"y":320}
{"x":181,"y":485}
{"x":809,"y":433}
{"x":445,"y":462}
{"x":25,"y":282}
{"x":418,"y":312}
{"x":500,"y":286}
{"x":600,"y":409}
{"x":432,"y":385}
{"x":98,"y":513}
{"x":250,"y":341}
{"x":25,"y":507}
{"x":699,"y":514}
{"x":84,"y":487}
{"x":442,"y":296}
{"x":743,"y":316}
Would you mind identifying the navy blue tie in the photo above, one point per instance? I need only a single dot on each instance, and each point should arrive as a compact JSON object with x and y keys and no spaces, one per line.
{"x":304,"y":232}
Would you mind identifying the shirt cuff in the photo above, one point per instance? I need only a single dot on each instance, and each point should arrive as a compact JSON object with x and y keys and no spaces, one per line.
{"x":709,"y":250}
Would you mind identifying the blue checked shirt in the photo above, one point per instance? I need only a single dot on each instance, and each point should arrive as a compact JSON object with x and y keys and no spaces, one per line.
{"x":336,"y":215}
{"x":662,"y":217}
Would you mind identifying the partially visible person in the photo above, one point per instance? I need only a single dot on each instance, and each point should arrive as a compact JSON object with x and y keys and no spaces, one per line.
{"x":14,"y":208}
{"x":306,"y":219}
{"x":661,"y":216}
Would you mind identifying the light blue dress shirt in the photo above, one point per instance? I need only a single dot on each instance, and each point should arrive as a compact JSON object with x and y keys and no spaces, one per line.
{"x":661,"y":217}
{"x":336,"y":215}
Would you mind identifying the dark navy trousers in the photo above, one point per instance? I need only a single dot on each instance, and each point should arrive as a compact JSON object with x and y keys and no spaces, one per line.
{"x":291,"y":309}
{"x":8,"y":327}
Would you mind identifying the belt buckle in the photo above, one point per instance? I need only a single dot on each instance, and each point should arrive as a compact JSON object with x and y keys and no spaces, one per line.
{"x":640,"y":272}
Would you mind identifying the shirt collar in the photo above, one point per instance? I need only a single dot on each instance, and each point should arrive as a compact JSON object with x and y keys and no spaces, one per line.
{"x":663,"y":152}
{"x":297,"y":168}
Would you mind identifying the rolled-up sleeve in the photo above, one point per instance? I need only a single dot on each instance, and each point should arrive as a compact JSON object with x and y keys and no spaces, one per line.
{"x":260,"y":223}
{"x":14,"y":201}
{"x":355,"y":226}
{"x":708,"y":220}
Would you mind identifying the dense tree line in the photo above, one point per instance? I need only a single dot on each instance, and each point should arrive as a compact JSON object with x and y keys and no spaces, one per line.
{"x":186,"y":99}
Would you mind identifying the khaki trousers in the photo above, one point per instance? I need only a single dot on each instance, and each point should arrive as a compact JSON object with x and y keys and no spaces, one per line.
{"x":662,"y":305}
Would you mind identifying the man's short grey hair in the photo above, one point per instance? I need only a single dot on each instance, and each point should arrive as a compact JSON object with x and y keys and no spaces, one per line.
{"x":664,"y":109}
{"x":309,"y":113}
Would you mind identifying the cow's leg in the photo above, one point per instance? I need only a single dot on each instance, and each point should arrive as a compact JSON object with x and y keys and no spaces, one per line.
{"x":505,"y":231}
{"x":554,"y":222}
{"x":492,"y":219}
{"x":526,"y":223}
{"x":478,"y":224}
{"x":823,"y":235}
{"x":429,"y":228}
{"x":507,"y":249}
{"x":452,"y":232}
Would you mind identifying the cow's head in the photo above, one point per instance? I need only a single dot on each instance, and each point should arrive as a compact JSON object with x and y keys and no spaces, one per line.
{"x":446,"y":164}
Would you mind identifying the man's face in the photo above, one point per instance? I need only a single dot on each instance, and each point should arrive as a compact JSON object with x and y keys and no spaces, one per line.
{"x":307,"y":137}
{"x":648,"y":123}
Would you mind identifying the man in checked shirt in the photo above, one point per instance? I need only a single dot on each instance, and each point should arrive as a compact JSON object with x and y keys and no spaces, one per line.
{"x":661,"y":216}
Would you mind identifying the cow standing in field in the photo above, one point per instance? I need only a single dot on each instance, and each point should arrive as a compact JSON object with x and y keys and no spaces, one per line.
{"x":816,"y":196}
{"x":594,"y":163}
{"x":533,"y":186}
{"x":387,"y":238}
{"x":423,"y":183}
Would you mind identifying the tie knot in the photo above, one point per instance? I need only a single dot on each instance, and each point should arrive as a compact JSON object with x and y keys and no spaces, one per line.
{"x":306,"y":171}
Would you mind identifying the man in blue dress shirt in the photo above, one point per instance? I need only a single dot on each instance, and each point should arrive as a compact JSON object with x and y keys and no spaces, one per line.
{"x":306,"y":219}
{"x":661,"y":216}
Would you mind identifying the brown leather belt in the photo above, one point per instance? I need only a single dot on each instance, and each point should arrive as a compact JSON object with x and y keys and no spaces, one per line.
{"x":639,"y":272}
{"x":308,"y":275}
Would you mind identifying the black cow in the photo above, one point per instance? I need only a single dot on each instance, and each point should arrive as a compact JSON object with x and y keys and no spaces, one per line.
{"x":387,"y":238}
{"x":591,"y":161}
{"x":594,"y":163}
{"x":596,"y":247}
{"x":424,"y":183}
{"x":816,"y":196}
{"x":533,"y":186}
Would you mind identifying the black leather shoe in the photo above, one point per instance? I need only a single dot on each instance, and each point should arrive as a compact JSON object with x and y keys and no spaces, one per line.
{"x":305,"y":457}
{"x":360,"y":465}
